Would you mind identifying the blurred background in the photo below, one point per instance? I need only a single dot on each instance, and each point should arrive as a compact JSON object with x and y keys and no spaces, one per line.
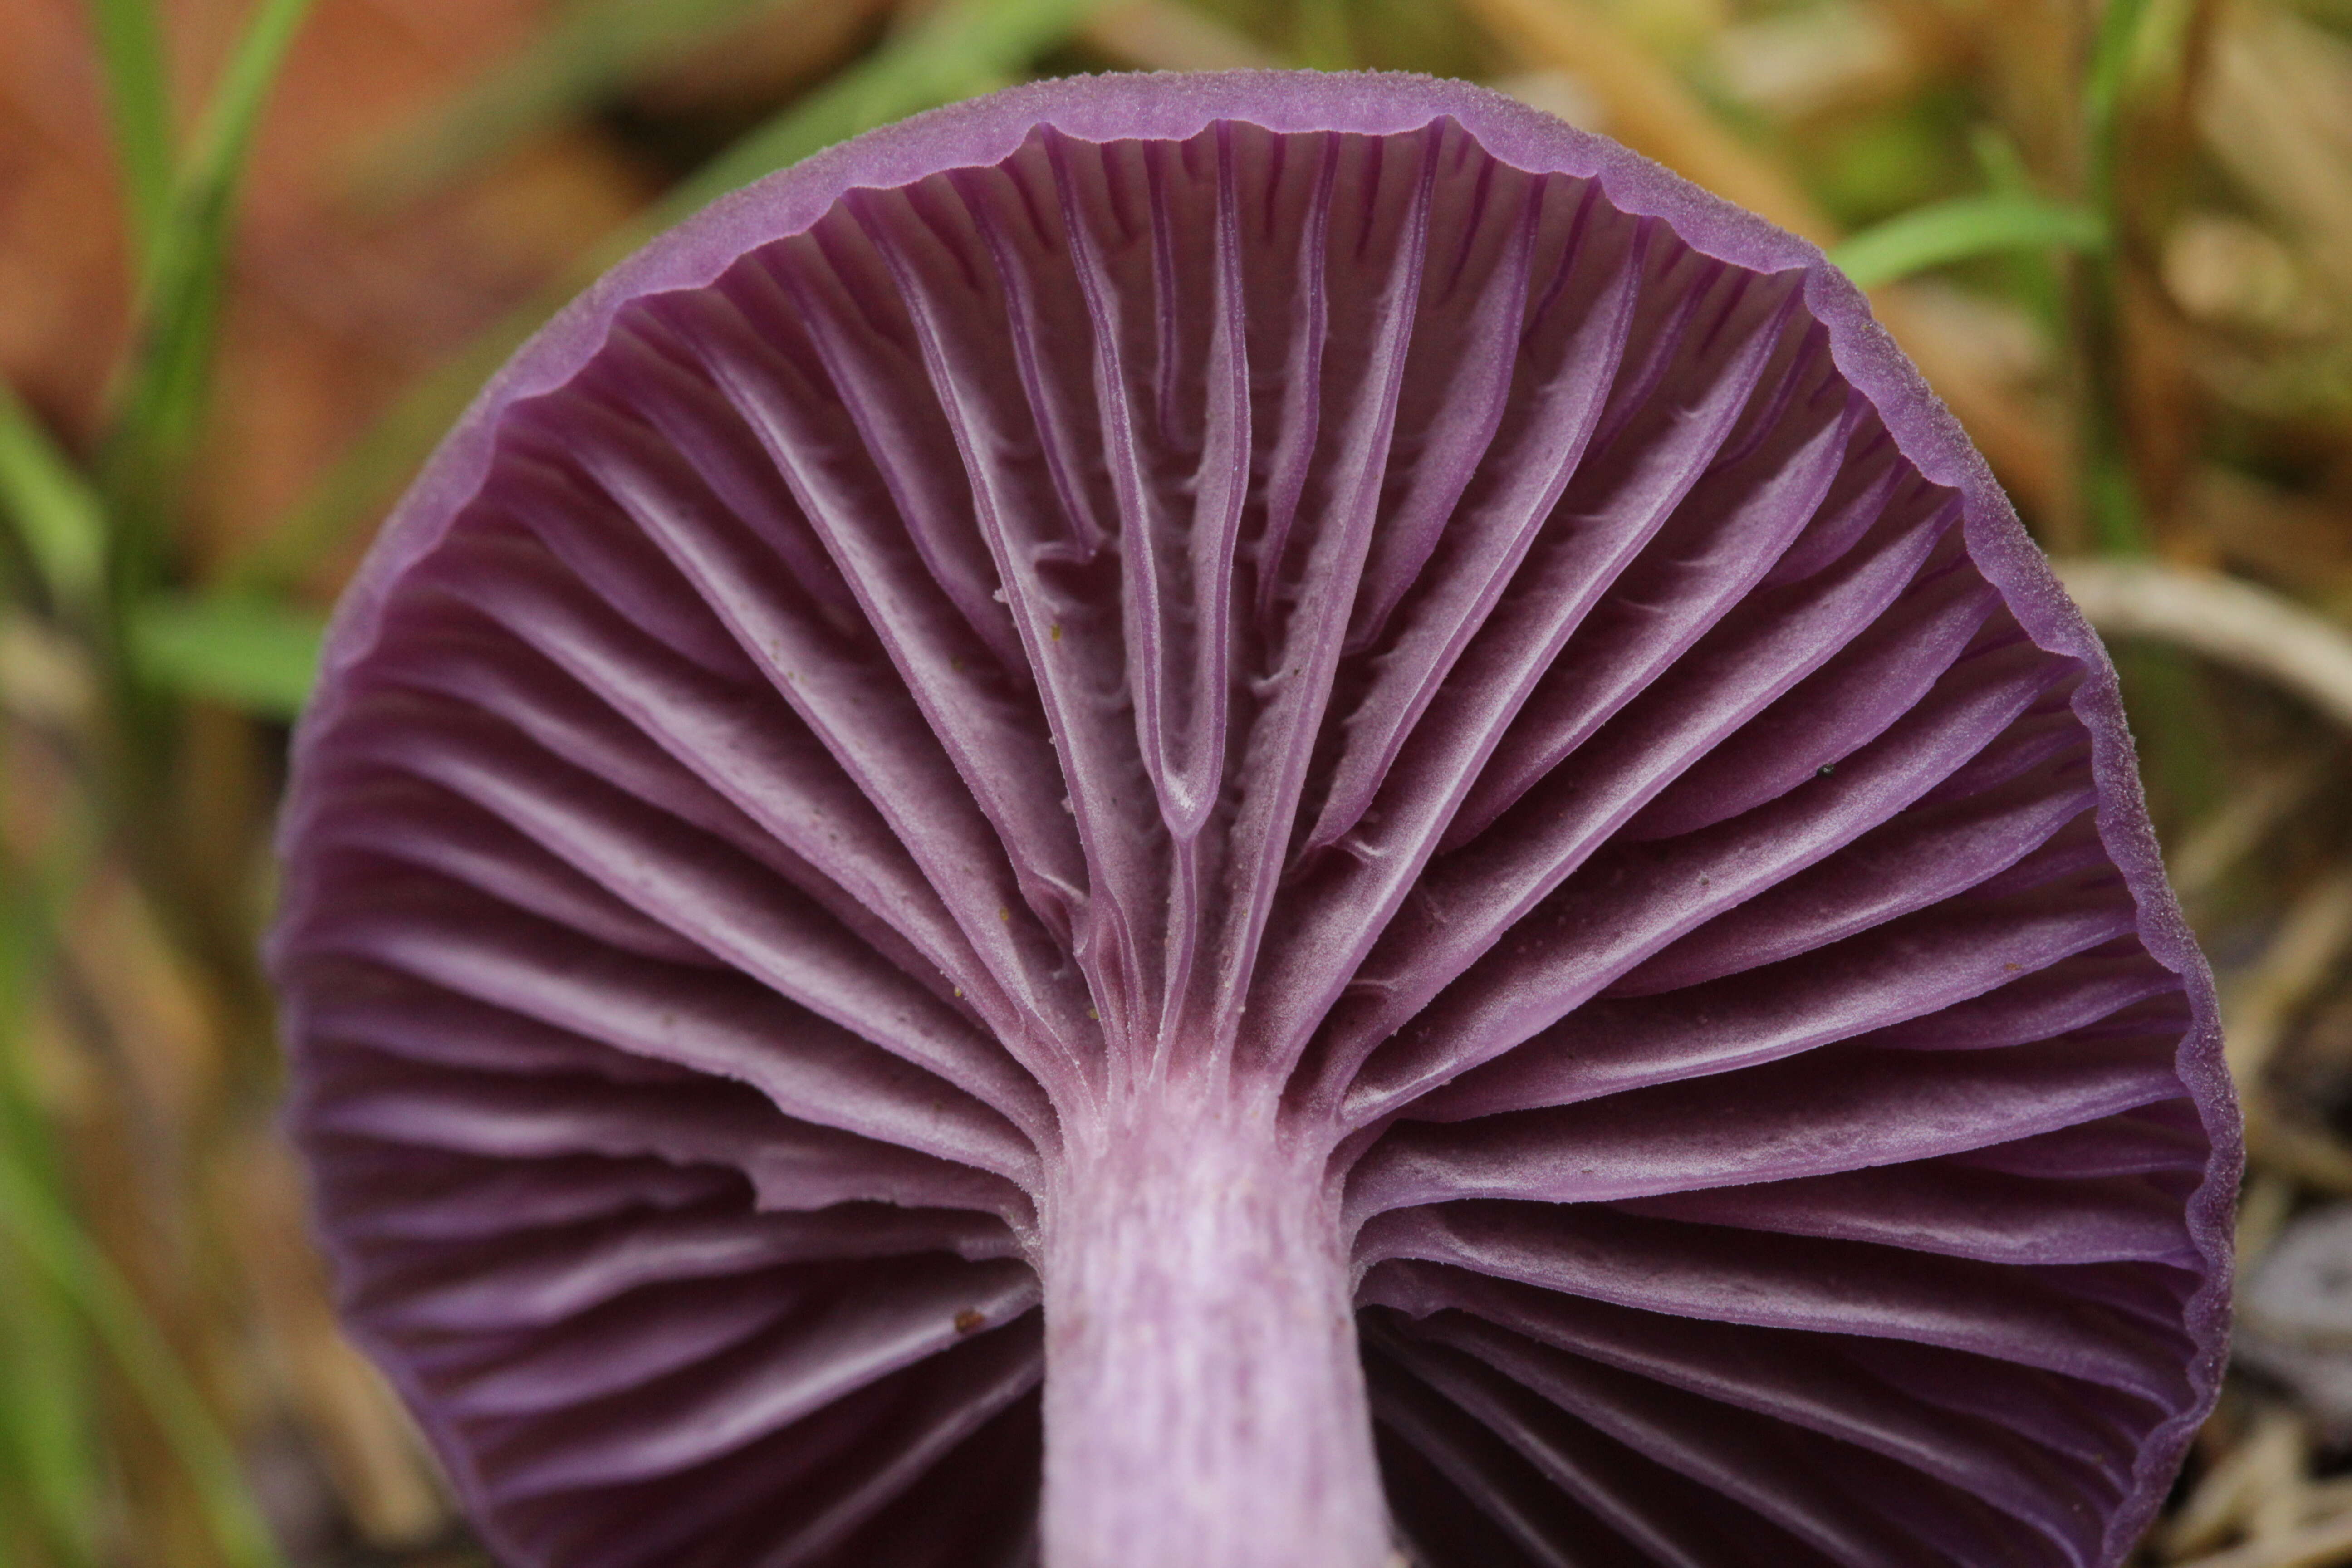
{"x":254,"y":255}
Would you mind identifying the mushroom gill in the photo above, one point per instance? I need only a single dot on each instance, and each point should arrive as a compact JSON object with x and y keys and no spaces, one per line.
{"x":1245,"y":821}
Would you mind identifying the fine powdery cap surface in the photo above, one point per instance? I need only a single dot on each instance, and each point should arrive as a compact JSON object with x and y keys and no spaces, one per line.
{"x":1245,"y":822}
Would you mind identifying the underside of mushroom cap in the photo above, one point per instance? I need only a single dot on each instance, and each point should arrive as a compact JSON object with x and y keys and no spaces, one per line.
{"x":1291,"y":804}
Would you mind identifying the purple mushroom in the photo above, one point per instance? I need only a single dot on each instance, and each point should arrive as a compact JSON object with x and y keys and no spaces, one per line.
{"x":1259,"y":821}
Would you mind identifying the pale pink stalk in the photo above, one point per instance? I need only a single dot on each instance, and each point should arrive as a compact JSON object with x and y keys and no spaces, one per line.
{"x":1204,"y":1396}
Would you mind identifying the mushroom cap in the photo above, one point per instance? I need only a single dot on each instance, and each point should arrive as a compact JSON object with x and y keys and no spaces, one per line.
{"x":1340,"y":583}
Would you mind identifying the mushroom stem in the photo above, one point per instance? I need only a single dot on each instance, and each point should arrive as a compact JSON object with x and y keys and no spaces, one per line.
{"x":1205,"y":1403}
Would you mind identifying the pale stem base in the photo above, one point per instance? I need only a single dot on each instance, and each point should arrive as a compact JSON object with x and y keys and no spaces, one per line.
{"x":1205,"y":1405}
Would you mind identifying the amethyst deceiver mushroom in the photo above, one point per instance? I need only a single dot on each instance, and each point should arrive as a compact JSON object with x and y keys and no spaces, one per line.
{"x":1245,"y":822}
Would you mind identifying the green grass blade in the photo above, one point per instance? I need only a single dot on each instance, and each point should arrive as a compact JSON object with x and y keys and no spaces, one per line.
{"x":218,"y":158}
{"x":130,"y":51}
{"x":251,"y":653}
{"x":50,"y":1481}
{"x":204,"y":196}
{"x":1962,"y":228}
{"x":591,"y":50}
{"x":2114,"y":55}
{"x":2034,"y":278}
{"x":169,"y":377}
{"x":46,"y":1233}
{"x":39,"y":1228}
{"x":2108,"y":488}
{"x":49,"y":1491}
{"x":54,"y":511}
{"x":49,"y":1484}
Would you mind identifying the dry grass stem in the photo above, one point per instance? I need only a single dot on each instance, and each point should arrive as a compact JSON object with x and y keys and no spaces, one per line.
{"x":2302,"y":958}
{"x":2227,"y":1496}
{"x":2319,"y":1546}
{"x":2212,"y":848}
{"x":368,"y":1445}
{"x":1649,"y":109}
{"x":2234,"y":623}
{"x":2263,"y":1212}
